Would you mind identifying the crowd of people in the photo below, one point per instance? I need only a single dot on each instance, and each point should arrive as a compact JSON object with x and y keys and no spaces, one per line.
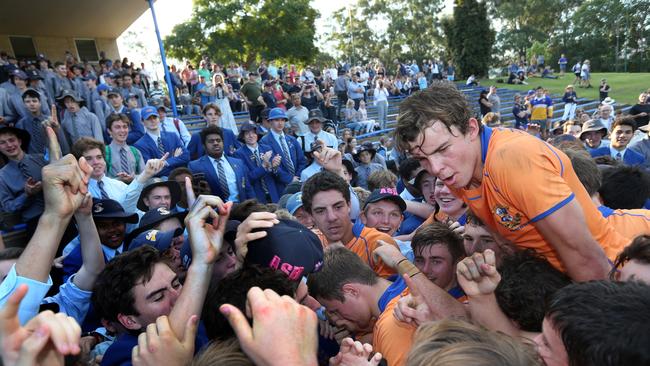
{"x":283,"y":241}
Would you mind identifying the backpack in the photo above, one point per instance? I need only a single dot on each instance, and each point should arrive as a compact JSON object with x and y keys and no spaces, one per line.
{"x":109,"y":159}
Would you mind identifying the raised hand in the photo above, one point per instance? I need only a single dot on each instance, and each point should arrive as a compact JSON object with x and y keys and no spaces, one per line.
{"x":47,"y":336}
{"x":64,"y":181}
{"x":279,"y":324}
{"x":189,"y":191}
{"x":159,"y":346}
{"x":206,"y":224}
{"x":277,"y":160}
{"x":354,"y":353}
{"x":412,"y":308}
{"x":478,"y":275}
{"x":33,"y":187}
{"x":54,"y":118}
{"x":153,"y":167}
{"x":245,"y":234}
{"x":178,"y":152}
{"x":330,"y":159}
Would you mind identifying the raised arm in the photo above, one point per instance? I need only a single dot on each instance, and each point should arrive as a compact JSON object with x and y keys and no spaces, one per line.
{"x":91,"y":250}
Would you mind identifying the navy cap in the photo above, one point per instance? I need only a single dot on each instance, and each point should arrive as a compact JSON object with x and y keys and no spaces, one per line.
{"x":154,"y":217}
{"x":228,"y":237}
{"x":34,"y":75}
{"x":389,"y":194}
{"x":289,"y":247}
{"x":161,"y":240}
{"x":71,"y":94}
{"x":132,"y":95}
{"x":90,"y":77}
{"x":23,"y":135}
{"x":111,"y":209}
{"x":19,"y":74}
{"x":265,"y":113}
{"x":113,"y":91}
{"x":110,"y":74}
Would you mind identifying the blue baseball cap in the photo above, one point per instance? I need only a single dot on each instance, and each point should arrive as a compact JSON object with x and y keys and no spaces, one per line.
{"x":160,"y":240}
{"x":21,"y":74}
{"x":277,"y":113}
{"x":294,"y":202}
{"x":148,"y":111}
{"x":102,"y":87}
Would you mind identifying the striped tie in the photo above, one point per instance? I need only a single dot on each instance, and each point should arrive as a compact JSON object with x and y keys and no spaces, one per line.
{"x":124,"y":161}
{"x":100,"y":184}
{"x":258,"y":160}
{"x":287,"y":157}
{"x":223,"y":183}
{"x":24,"y":170}
{"x":161,"y":148}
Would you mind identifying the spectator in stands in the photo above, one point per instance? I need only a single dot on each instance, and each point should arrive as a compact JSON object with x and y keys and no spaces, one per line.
{"x":495,"y":101}
{"x":223,"y":98}
{"x":78,"y":121}
{"x":310,"y":96}
{"x":540,"y":108}
{"x":173,"y":125}
{"x":60,"y":81}
{"x":123,"y":162}
{"x":253,"y":97}
{"x":293,"y":160}
{"x":520,"y":112}
{"x":212,"y":115}
{"x":297,"y":116}
{"x":364,"y":156}
{"x":368,"y":124}
{"x":185,"y":100}
{"x":15,"y":106}
{"x":572,"y":128}
{"x":35,"y":124}
{"x":351,"y":118}
{"x":380,"y":101}
{"x":585,"y":75}
{"x":593,"y":135}
{"x":260,"y":162}
{"x":605,"y":115}
{"x":570,"y":100}
{"x":355,"y":90}
{"x":128,"y":88}
{"x":642,"y":146}
{"x":227,"y":176}
{"x":157,"y":93}
{"x":641,"y":111}
{"x":20,"y":178}
{"x":156,"y":143}
{"x":483,"y":103}
{"x":315,"y":122}
{"x":622,"y":131}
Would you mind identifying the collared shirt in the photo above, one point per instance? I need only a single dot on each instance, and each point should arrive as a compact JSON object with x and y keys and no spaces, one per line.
{"x":168,"y":125}
{"x":110,"y":253}
{"x":13,"y":197}
{"x":312,"y":169}
{"x":329,"y":139}
{"x":613,"y":152}
{"x":231,"y":178}
{"x":352,"y":90}
{"x":297,"y":118}
{"x":125,"y":195}
{"x":154,"y":136}
{"x":116,"y":159}
{"x":278,"y":138}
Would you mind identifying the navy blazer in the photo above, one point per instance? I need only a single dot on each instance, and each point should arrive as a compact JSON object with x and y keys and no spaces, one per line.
{"x":258,"y":173}
{"x":149,"y":149}
{"x":630,"y":157}
{"x":230,"y":144}
{"x":295,"y":151}
{"x":205,"y":166}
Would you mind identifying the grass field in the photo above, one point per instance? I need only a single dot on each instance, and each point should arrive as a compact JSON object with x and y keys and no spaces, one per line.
{"x":626,"y":87}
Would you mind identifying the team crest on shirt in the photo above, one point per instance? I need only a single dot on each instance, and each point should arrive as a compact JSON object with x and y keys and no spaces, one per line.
{"x":506,"y":219}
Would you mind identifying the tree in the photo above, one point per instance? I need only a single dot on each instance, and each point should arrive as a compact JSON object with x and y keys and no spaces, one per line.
{"x":246,"y":31}
{"x":412,"y":30}
{"x":470,"y":47}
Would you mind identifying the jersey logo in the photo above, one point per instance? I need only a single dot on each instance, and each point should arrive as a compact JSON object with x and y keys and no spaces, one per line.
{"x":506,"y":219}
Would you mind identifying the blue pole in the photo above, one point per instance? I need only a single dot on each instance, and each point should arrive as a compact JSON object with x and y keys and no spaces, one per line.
{"x":168,"y":78}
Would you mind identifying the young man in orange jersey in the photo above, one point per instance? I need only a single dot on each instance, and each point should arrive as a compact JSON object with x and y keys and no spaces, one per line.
{"x":520,"y":186}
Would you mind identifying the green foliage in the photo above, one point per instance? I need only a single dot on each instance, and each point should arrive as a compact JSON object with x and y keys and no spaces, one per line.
{"x":470,"y":46}
{"x":247,"y":31}
{"x":412,"y":30}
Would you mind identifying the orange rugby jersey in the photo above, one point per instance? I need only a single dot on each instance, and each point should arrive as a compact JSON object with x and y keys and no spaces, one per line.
{"x":526,"y":180}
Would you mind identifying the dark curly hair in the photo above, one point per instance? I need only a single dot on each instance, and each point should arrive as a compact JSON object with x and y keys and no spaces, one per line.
{"x":527,"y":282}
{"x":320,"y":182}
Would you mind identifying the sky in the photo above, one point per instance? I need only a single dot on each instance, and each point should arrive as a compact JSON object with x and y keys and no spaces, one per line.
{"x":172,"y":12}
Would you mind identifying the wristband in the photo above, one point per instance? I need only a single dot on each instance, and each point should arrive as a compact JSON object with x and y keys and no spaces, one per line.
{"x":406,"y":267}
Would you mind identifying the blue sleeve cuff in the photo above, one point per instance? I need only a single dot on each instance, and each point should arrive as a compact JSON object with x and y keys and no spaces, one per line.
{"x":558,"y":206}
